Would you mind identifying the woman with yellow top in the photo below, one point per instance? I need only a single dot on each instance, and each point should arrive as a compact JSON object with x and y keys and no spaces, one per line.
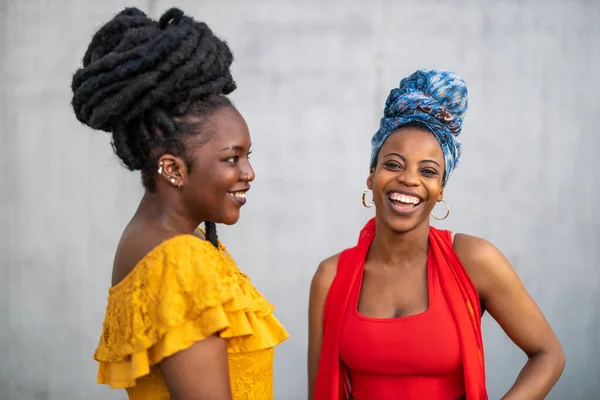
{"x":182,"y":321}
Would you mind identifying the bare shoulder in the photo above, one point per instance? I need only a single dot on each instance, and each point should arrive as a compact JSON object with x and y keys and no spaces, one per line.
{"x":134,"y":245}
{"x":473,"y":249}
{"x":325,"y":274}
{"x":486,"y":265}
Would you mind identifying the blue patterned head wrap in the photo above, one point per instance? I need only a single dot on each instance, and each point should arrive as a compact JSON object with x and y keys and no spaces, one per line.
{"x":435,"y":98}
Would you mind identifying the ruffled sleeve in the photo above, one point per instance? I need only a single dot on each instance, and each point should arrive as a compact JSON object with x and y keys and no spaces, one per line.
{"x":183,"y":291}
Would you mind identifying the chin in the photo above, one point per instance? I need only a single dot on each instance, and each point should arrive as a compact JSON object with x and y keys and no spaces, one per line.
{"x":399,"y":224}
{"x":231,"y":219}
{"x":401,"y":227}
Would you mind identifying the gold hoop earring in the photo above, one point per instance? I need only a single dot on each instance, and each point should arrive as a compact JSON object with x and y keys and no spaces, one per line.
{"x":364,"y":202}
{"x":447,"y":211}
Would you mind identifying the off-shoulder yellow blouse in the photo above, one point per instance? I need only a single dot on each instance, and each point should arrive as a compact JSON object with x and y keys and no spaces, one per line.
{"x":183,"y":291}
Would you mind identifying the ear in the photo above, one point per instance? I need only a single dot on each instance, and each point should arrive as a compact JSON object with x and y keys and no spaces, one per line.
{"x":370,"y":178}
{"x":441,"y":195}
{"x":174,"y":170}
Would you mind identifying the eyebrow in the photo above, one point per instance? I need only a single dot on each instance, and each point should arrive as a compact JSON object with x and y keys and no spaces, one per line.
{"x":404,"y":159}
{"x":236,"y":147}
{"x":432,"y":161}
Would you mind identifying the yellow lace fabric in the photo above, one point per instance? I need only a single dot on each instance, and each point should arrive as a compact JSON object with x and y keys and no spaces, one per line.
{"x":183,"y":291}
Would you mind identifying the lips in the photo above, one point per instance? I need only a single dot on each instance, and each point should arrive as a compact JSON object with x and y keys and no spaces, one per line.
{"x":403,"y":202}
{"x":239,"y":196}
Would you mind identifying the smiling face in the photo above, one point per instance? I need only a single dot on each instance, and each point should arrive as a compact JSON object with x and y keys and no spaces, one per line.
{"x":221,"y":172}
{"x":214,"y":181}
{"x":407,"y":178}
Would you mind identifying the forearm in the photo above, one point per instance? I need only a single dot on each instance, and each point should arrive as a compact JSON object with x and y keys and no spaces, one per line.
{"x":538,"y":376}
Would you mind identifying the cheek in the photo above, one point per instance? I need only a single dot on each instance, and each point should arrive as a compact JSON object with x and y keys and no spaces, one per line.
{"x":380,"y":178}
{"x":226,"y":177}
{"x":203,"y":184}
{"x":433,"y":193}
{"x":220,"y":181}
{"x":434,"y":186}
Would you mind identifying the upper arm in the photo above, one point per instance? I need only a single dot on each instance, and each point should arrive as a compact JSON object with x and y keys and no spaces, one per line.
{"x":199,"y":372}
{"x":319,"y":289}
{"x":504,"y":296}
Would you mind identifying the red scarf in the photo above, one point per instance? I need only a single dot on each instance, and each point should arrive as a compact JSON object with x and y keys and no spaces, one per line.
{"x":463,"y":301}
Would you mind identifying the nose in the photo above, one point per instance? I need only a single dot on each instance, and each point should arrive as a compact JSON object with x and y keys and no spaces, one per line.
{"x":409,"y":176}
{"x":248,"y":173}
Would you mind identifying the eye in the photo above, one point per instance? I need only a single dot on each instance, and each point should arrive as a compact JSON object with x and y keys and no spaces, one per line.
{"x":248,"y":156}
{"x":392,"y":165}
{"x":233,"y":160}
{"x":429,"y":171}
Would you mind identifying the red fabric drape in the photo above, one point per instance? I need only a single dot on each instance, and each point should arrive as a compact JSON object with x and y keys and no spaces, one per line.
{"x":332,"y":378}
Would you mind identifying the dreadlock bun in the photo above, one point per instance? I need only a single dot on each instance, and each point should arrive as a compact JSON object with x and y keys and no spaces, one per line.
{"x":139,"y":75}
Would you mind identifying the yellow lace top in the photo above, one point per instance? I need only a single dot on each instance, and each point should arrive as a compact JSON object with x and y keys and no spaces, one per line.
{"x":183,"y":291}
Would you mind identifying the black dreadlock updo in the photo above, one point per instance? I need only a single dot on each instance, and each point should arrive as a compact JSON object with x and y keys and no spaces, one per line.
{"x":140,"y":78}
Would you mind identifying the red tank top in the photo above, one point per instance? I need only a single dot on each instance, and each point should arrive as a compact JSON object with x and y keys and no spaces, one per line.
{"x":410,"y":358}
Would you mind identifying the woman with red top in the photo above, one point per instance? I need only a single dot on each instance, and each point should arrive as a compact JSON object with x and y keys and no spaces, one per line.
{"x":398,"y":316}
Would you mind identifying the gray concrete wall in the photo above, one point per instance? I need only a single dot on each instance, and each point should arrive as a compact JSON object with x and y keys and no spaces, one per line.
{"x":313,"y":77}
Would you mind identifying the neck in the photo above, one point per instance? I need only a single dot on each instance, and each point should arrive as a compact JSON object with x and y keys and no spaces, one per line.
{"x":158,"y":210}
{"x":404,"y":250}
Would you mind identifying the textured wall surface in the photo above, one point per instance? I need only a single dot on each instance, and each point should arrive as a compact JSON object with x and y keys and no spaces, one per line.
{"x":313,"y":77}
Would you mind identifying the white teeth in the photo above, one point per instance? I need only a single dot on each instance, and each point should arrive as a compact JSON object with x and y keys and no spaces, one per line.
{"x":404,"y":198}
{"x":241,"y":195}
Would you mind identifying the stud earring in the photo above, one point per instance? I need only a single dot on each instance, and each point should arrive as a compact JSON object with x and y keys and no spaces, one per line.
{"x":160,"y":168}
{"x":173,"y":180}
